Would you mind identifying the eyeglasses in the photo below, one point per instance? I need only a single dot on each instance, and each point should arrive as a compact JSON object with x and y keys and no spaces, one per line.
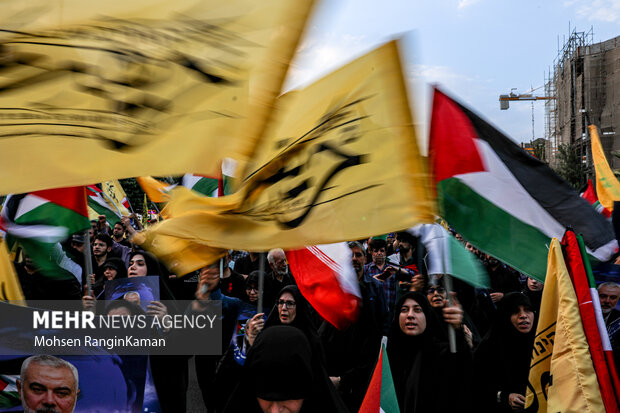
{"x":440,"y":290}
{"x":252,"y":289}
{"x":288,"y":304}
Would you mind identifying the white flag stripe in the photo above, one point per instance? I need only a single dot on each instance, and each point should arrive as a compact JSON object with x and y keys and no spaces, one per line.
{"x":338,"y":258}
{"x":600,"y":322}
{"x":28,"y":203}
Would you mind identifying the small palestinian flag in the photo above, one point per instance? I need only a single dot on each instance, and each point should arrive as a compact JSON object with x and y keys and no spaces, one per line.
{"x":101,"y":205}
{"x":505,"y":202}
{"x":589,"y":194}
{"x":205,"y":185}
{"x":9,"y":397}
{"x":381,"y":394}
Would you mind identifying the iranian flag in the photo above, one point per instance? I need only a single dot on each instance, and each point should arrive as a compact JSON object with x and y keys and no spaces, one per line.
{"x":381,"y":394}
{"x":101,"y":205}
{"x":40,"y":220}
{"x":502,"y":200}
{"x":326,"y":278}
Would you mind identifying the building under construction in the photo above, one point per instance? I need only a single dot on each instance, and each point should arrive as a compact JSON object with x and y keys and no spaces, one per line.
{"x":586,"y":85}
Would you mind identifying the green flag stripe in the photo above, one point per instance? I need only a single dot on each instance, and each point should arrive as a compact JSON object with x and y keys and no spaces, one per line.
{"x":52,"y":214}
{"x":389,"y":402}
{"x":524,"y":247}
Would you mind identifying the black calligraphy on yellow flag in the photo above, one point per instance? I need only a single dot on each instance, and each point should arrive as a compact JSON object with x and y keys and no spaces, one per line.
{"x":92,"y":91}
{"x":339,"y":161}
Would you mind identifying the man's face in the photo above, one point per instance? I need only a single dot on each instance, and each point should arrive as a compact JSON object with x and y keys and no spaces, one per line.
{"x":100,"y":248}
{"x":404,"y":246}
{"x":609,"y":298}
{"x":279,"y":264}
{"x":118,"y":230}
{"x":378,"y":256}
{"x":358,"y":260}
{"x":48,"y":389}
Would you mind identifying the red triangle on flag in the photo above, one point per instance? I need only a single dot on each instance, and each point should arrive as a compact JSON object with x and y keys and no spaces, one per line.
{"x":73,"y":198}
{"x":452,"y":149}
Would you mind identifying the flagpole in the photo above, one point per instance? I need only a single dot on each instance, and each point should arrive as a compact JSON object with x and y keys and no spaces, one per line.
{"x":88,"y":264}
{"x":261,"y":281}
{"x":448,"y":286}
{"x":156,"y":209}
{"x":110,"y":201}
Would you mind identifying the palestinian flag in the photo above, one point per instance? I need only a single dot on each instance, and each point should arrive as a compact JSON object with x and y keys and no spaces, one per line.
{"x":40,"y":220}
{"x":498,"y":197}
{"x":204,"y":185}
{"x":448,"y":256}
{"x":213,"y":186}
{"x":101,"y":205}
{"x":589,"y":194}
{"x":9,"y":397}
{"x":381,"y":394}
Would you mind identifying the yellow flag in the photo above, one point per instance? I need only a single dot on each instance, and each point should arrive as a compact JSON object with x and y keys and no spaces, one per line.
{"x":562,"y":377}
{"x":98,"y":90}
{"x":157,"y":191}
{"x":116,"y":194}
{"x":10,"y":289}
{"x":340,"y":161}
{"x":607,"y":185}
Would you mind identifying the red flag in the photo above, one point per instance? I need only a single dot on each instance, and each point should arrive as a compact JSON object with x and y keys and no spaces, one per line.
{"x":325,"y":276}
{"x":575,"y":264}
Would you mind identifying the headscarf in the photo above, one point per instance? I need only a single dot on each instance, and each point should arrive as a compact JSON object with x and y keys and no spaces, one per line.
{"x":116,"y":264}
{"x":302,"y":320}
{"x":152,"y":265}
{"x":153,"y":268}
{"x":280,"y":367}
{"x":251,"y":280}
{"x":503,"y":356}
{"x":422,"y":366}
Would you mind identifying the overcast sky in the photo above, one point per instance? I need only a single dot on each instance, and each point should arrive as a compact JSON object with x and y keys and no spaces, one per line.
{"x":474,"y":49}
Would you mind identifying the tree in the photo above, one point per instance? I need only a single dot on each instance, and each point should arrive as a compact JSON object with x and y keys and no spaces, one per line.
{"x":538,"y":147}
{"x":569,"y":165}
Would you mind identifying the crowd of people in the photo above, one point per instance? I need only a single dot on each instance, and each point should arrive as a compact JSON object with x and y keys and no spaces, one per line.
{"x":285,"y":357}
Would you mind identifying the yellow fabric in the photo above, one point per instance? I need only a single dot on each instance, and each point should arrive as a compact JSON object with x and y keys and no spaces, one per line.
{"x":99,"y":90}
{"x":10,"y":289}
{"x":115,"y":192}
{"x":341,"y":162}
{"x":607,"y":185}
{"x":561,"y":354}
{"x":155,"y":190}
{"x":180,"y":256}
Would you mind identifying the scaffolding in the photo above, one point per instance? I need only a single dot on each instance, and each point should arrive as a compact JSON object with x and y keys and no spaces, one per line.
{"x":566,"y":116}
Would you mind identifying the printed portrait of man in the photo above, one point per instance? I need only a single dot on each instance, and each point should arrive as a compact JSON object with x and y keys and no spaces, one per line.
{"x":48,"y":384}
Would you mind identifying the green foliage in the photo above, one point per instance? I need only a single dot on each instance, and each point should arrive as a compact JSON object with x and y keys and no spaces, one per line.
{"x":539,"y":150}
{"x":569,"y":165}
{"x":135,"y":194}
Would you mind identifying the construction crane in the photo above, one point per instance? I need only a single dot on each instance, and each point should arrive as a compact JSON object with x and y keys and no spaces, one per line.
{"x":504,"y":101}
